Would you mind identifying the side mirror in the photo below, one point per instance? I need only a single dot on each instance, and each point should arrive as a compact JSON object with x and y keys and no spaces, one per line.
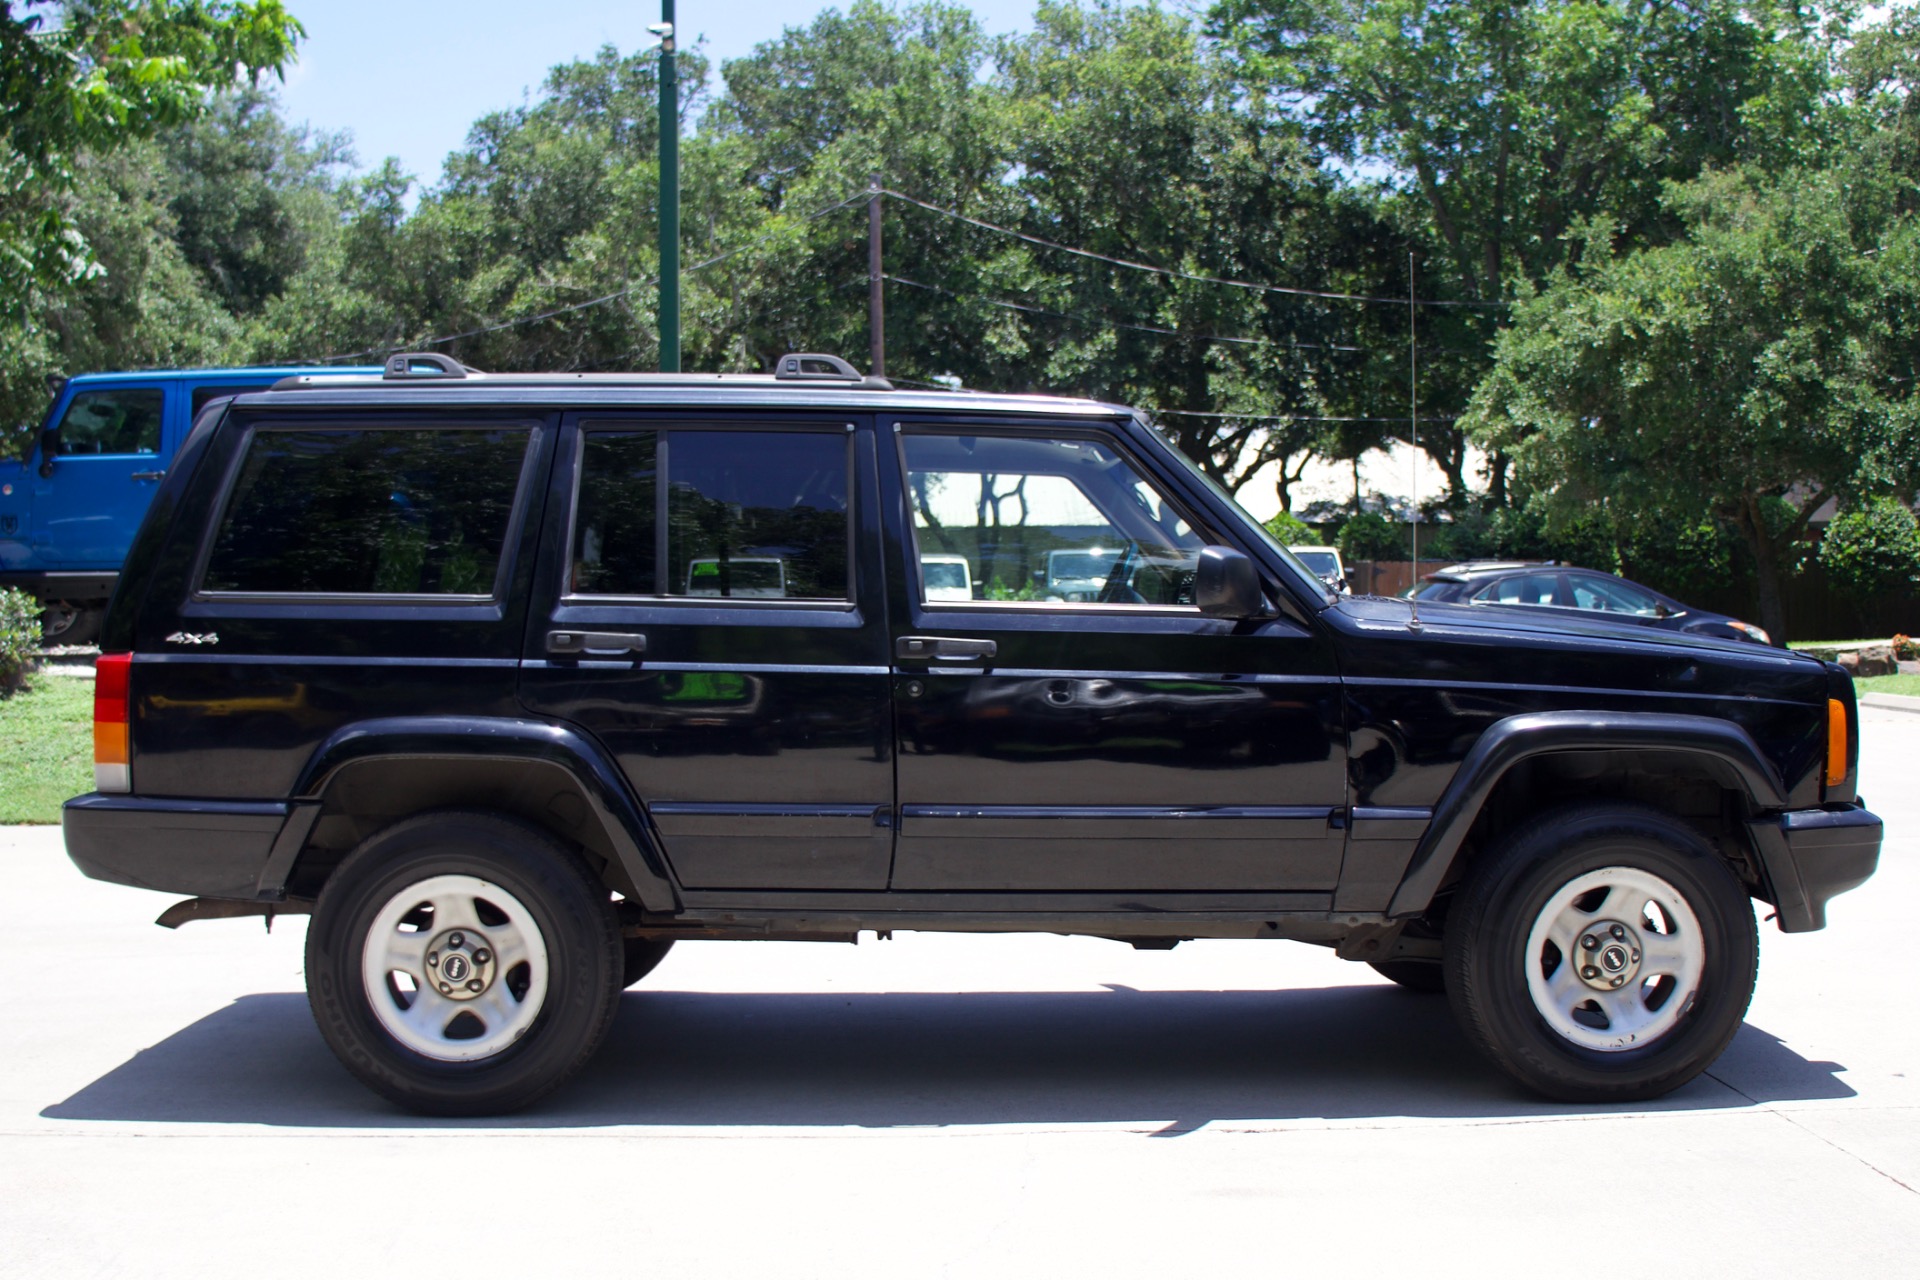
{"x":1225,"y":585}
{"x":49,"y":446}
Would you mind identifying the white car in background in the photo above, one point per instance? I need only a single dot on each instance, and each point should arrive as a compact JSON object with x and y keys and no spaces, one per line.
{"x":946,"y":577}
{"x":1325,"y":561}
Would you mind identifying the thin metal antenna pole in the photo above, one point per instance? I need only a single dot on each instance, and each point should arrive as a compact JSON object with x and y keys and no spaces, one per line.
{"x":1413,"y":418}
{"x":876,"y":290}
{"x":669,"y":194}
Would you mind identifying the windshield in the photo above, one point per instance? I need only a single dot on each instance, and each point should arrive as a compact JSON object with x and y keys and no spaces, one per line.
{"x":1312,"y":581}
{"x":949,"y":575}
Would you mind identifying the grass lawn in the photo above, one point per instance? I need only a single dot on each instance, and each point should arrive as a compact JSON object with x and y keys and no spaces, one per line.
{"x":46,"y":747}
{"x":1907,"y":685}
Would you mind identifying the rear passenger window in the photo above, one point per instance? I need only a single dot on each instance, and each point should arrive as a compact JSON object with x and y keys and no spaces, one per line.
{"x":742,"y":515}
{"x":380,"y":511}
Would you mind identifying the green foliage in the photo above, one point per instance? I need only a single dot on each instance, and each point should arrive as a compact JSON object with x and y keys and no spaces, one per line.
{"x":1371,"y":536}
{"x":19,"y":635}
{"x":46,"y":748}
{"x":1293,"y":531}
{"x":1872,"y":548}
{"x":89,"y":78}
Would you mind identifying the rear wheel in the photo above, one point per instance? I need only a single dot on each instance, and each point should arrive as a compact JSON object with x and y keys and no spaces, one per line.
{"x":1602,"y":954}
{"x":62,"y":623}
{"x":463,"y":963}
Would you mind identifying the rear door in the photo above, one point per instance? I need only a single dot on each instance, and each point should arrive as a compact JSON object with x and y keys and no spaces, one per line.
{"x":710,"y":608}
{"x":1077,"y":726}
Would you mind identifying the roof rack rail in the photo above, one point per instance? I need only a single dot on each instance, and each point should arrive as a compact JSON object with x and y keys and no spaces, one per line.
{"x":814,"y":366}
{"x":426,"y":364}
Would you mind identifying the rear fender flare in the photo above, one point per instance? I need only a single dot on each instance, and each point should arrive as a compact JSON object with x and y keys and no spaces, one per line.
{"x":1731,"y":749}
{"x":496,"y":738}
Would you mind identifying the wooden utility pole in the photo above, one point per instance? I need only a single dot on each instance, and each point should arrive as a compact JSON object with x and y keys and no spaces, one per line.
{"x":876,"y":291}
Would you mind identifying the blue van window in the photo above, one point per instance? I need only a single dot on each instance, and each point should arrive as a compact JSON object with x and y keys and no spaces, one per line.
{"x":112,"y":422}
{"x":369,"y":512}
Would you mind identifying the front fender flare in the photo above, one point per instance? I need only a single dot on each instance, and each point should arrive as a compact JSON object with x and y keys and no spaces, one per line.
{"x":1735,"y":754}
{"x":498,"y":738}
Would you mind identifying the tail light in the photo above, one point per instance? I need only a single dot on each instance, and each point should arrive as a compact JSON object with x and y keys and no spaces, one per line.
{"x":112,"y":701}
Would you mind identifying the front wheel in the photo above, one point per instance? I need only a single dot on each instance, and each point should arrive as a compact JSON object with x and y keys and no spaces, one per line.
{"x":1602,"y":954}
{"x":463,"y":963}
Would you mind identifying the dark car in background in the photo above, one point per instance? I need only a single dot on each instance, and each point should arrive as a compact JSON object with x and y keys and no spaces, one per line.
{"x":1557,"y":588}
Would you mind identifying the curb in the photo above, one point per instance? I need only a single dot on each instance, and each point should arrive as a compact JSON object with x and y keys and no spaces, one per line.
{"x":1891,"y":702}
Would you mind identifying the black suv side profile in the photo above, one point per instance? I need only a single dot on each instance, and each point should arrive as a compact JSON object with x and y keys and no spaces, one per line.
{"x":512,"y":681}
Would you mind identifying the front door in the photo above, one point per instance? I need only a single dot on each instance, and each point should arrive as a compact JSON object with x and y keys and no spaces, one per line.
{"x":712,"y":613}
{"x":108,"y":461}
{"x":1074,"y":724}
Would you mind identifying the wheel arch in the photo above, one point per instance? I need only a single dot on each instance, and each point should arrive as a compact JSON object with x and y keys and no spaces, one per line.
{"x":371,"y":774}
{"x":1497,"y":785}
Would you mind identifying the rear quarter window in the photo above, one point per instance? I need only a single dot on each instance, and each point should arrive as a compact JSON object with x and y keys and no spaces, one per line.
{"x":369,"y":511}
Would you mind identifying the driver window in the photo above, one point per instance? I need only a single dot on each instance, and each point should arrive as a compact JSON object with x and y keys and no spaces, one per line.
{"x":112,"y":422}
{"x":1005,"y":519}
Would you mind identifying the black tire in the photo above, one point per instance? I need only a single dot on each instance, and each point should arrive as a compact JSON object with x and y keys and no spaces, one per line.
{"x":1425,"y":976}
{"x":643,"y":956}
{"x":551,"y":899}
{"x":1517,"y":886}
{"x":65,"y":624}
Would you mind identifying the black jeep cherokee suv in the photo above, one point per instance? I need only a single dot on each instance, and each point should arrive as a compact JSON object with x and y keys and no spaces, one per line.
{"x":511,"y":681}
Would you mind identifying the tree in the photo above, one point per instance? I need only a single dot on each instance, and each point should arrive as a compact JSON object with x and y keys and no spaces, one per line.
{"x":1753,"y":370}
{"x":102,"y":74}
{"x":1497,"y":126}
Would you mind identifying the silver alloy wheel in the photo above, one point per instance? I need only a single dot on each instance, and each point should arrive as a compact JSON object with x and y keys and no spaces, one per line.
{"x":455,"y":968}
{"x":1614,"y":959}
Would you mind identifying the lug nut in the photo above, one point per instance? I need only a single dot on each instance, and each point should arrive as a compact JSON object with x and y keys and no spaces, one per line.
{"x":473,"y":984}
{"x":1618,"y":932}
{"x":1589,"y":972}
{"x":1618,"y":981}
{"x":433,"y":959}
{"x":445,"y":989}
{"x":1636,"y":956}
{"x":456,"y":940}
{"x":1590,"y":942}
{"x":483,"y":955}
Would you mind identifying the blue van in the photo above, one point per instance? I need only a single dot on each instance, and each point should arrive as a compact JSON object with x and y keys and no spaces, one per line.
{"x":69,"y":511}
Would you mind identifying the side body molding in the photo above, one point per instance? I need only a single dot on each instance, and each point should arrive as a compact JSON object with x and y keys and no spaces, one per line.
{"x":1732,"y":750}
{"x":534,"y":741}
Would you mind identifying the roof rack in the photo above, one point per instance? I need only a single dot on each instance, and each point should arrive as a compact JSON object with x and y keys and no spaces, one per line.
{"x":432,"y":367}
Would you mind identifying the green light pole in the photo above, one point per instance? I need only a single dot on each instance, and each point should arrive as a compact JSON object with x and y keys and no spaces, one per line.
{"x":669,"y":193}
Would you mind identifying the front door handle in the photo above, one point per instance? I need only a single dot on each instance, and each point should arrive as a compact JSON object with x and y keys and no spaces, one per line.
{"x":943,"y":648}
{"x":148,"y":475}
{"x":595,"y":643}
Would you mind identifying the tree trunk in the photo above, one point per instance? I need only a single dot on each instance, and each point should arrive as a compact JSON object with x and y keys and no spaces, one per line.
{"x":1497,"y":480}
{"x":1766,"y":568}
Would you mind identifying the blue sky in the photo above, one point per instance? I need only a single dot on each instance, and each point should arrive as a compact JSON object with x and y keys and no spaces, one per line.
{"x":407,"y":79}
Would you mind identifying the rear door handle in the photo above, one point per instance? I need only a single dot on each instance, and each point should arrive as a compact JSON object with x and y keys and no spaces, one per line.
{"x":943,"y":648}
{"x":595,"y":643}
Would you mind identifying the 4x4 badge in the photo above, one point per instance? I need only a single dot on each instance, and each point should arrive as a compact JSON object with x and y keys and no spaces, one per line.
{"x":188,"y":637}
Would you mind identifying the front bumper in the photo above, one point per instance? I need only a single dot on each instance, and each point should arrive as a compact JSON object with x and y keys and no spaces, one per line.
{"x":203,"y":848}
{"x":1813,"y":855}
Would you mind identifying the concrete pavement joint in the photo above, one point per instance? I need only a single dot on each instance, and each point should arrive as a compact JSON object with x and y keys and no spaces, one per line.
{"x":1809,"y":1132}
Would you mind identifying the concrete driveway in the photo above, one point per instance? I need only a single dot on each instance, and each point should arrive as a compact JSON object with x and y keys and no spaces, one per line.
{"x":946,"y":1106}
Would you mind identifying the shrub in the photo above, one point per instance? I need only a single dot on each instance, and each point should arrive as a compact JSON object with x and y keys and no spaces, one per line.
{"x":19,"y":636}
{"x":1872,"y":549}
{"x":1370,"y":536}
{"x":1293,"y":531}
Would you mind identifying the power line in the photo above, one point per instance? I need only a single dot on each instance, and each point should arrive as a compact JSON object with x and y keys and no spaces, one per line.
{"x":1122,"y":324}
{"x":600,"y":301}
{"x":1171,"y":272}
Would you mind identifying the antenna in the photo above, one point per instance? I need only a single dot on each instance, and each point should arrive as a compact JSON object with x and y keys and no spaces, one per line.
{"x":1413,"y":417}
